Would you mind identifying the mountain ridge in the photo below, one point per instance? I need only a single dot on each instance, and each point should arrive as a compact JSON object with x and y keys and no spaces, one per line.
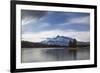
{"x":58,"y":41}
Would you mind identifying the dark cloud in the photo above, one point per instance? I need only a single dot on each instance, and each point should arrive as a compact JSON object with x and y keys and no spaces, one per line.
{"x":32,"y":14}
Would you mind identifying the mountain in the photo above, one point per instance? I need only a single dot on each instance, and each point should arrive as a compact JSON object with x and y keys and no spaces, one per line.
{"x":58,"y":40}
{"x":62,"y":41}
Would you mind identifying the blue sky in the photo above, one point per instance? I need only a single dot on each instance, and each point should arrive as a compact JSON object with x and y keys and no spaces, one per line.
{"x":37,"y":24}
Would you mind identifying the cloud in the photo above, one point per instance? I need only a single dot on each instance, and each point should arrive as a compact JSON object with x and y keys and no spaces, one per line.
{"x":44,"y":26}
{"x":39,"y":25}
{"x":29,"y":20}
{"x":37,"y":37}
{"x":80,"y":20}
{"x":37,"y":21}
{"x":29,"y":16}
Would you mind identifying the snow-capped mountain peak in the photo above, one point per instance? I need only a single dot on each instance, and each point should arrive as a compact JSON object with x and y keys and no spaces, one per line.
{"x":58,"y":40}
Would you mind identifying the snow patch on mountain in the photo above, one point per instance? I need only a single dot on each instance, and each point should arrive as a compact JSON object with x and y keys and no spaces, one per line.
{"x":58,"y":40}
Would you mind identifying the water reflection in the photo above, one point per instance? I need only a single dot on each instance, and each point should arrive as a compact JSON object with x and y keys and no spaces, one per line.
{"x":53,"y":54}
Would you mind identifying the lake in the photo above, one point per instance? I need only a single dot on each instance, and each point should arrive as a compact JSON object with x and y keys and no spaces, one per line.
{"x":29,"y":55}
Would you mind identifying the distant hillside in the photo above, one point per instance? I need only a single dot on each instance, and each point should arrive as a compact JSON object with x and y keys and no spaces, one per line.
{"x":26,"y":44}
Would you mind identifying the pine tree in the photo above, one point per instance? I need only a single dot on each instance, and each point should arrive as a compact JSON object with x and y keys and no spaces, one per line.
{"x":70,"y":43}
{"x":73,"y":43}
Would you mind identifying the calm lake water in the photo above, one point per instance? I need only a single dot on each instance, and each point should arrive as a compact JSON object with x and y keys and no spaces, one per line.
{"x":53,"y":54}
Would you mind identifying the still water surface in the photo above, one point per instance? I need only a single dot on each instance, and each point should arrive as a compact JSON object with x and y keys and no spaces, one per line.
{"x":53,"y":54}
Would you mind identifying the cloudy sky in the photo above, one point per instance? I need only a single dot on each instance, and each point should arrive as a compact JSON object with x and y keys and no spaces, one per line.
{"x":39,"y":25}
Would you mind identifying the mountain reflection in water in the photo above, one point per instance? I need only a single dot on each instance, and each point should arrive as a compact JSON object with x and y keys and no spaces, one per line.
{"x":53,"y":54}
